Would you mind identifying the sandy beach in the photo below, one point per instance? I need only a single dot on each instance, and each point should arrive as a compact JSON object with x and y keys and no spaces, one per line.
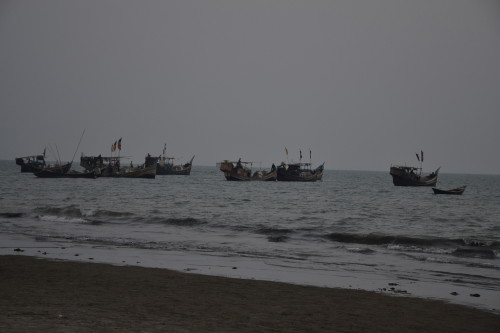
{"x":40,"y":295}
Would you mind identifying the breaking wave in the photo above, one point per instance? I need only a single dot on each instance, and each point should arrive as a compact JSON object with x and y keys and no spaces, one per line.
{"x":74,"y":211}
{"x":458,"y":247}
{"x":374,"y":239}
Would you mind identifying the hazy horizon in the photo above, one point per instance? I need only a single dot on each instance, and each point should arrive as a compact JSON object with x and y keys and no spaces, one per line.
{"x":362,"y":84}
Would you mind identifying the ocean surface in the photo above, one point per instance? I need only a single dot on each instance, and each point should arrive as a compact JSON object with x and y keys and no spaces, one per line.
{"x":354,"y":229}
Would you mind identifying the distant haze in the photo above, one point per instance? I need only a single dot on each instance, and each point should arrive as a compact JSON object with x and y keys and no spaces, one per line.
{"x":362,"y":84}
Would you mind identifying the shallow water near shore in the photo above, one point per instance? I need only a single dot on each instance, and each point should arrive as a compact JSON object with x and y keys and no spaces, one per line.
{"x":353,"y":229}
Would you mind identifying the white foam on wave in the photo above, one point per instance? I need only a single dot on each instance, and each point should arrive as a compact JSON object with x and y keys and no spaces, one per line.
{"x":62,"y":219}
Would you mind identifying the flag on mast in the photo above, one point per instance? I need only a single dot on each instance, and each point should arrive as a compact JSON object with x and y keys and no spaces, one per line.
{"x":300,"y":155}
{"x":113,"y":147}
{"x":418,"y":158}
{"x":422,"y":155}
{"x":120,"y":144}
{"x":286,"y":151}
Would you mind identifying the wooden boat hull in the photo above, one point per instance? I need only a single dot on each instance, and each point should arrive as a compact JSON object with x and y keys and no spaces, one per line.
{"x":52,"y":171}
{"x":299,"y":175}
{"x":266,"y":176}
{"x":455,"y":191}
{"x":400,"y":177}
{"x":302,"y":177}
{"x":148,"y":172}
{"x":179,"y":170}
{"x":31,"y":167}
{"x":235,"y":171}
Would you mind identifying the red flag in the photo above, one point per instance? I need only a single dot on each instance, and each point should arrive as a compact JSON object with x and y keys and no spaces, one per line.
{"x":114,"y":147}
{"x":120,"y":144}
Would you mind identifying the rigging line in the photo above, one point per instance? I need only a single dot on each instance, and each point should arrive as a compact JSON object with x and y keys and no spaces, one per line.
{"x":81,"y":137}
{"x":52,"y":152}
{"x":58,"y":156}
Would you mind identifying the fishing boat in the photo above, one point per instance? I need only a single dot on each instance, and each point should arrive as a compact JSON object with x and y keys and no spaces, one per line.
{"x":299,"y":172}
{"x":106,"y":166}
{"x":456,"y":191}
{"x":412,"y":176}
{"x":165,"y":165}
{"x":239,"y":171}
{"x":31,"y":163}
{"x":60,"y":170}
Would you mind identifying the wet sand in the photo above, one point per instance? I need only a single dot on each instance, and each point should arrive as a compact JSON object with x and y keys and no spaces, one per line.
{"x":40,"y":295}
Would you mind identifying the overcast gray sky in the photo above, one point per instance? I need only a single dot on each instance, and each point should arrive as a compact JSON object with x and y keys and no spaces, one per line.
{"x":363,"y":84}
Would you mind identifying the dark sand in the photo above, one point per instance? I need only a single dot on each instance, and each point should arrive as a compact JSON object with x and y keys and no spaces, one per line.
{"x":39,"y":295}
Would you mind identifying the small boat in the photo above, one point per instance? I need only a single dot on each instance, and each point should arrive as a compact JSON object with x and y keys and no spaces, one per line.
{"x":456,"y":191}
{"x":31,"y":163}
{"x":238,"y":171}
{"x":61,"y":170}
{"x":165,"y":165}
{"x":299,"y":172}
{"x":412,"y":176}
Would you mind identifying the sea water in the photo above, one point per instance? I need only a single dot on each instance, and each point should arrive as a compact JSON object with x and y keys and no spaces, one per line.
{"x":354,"y":229}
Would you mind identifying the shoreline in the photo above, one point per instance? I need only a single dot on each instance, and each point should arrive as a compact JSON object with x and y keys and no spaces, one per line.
{"x":253,"y":269}
{"x":68,"y":296}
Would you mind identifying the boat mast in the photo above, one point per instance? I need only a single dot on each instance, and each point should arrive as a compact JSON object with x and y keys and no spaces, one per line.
{"x":310,"y":158}
{"x":78,"y":146}
{"x":111,"y":158}
{"x":420,"y":160}
{"x":119,"y":148}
